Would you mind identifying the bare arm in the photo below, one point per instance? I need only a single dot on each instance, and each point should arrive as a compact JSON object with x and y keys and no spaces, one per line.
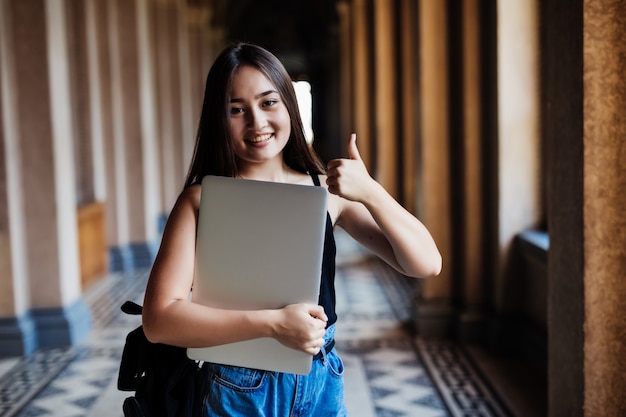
{"x":169,"y":317}
{"x":375,"y":219}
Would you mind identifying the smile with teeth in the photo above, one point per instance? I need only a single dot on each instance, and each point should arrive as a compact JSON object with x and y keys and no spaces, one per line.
{"x":261,"y":138}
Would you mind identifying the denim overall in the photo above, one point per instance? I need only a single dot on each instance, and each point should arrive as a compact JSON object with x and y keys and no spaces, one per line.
{"x":235,"y":391}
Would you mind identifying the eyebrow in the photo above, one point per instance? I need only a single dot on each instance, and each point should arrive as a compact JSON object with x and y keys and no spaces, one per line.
{"x":263,"y":94}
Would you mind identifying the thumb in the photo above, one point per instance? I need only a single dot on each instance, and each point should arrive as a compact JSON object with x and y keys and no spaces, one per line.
{"x":353,"y":151}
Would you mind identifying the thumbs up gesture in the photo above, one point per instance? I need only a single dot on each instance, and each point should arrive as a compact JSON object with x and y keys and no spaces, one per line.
{"x":348,"y":177}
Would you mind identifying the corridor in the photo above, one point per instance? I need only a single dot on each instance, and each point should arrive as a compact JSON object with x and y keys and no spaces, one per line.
{"x":497,"y":123}
{"x":388,"y":372}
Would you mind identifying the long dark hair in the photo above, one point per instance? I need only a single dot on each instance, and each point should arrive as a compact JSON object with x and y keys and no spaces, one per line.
{"x":213,"y":153}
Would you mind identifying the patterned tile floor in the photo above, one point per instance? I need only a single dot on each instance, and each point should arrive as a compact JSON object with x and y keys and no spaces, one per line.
{"x":389,"y":372}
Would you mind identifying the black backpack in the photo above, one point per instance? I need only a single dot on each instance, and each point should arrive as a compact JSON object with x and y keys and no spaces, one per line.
{"x":164,"y":379}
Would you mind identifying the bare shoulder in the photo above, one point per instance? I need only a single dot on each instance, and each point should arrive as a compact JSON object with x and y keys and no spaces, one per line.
{"x":187,"y":204}
{"x":190,"y":196}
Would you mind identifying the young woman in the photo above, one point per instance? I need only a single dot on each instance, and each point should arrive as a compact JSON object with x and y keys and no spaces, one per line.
{"x":250,"y":128}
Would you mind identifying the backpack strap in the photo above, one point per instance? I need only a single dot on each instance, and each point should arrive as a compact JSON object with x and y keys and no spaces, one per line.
{"x":132,"y":308}
{"x":316,"y":179}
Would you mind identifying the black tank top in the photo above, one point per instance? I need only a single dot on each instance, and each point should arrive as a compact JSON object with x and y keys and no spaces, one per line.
{"x":327,"y":297}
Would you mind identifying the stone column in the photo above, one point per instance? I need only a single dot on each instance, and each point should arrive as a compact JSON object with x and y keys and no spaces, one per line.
{"x":562,"y":110}
{"x":434,"y":313}
{"x":97,"y":63}
{"x":102,"y":76}
{"x":362,"y":78}
{"x":604,"y":207}
{"x":409,"y":105}
{"x":117,"y":193}
{"x":166,"y":61}
{"x":17,"y":328}
{"x":345,"y":73}
{"x":81,"y":104}
{"x":473,"y":275}
{"x":151,"y":176}
{"x":188,"y":117}
{"x":132,"y":150}
{"x":88,"y":141}
{"x":200,"y":57}
{"x":385,"y":97}
{"x":43,"y":123}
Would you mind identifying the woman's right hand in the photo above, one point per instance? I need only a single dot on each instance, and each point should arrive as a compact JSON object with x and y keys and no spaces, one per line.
{"x":301,"y":327}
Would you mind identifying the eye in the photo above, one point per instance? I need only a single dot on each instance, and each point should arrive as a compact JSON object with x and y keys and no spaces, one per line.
{"x":269,"y":102}
{"x":236,"y":110}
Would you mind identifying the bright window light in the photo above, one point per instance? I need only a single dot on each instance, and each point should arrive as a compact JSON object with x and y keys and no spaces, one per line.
{"x":303,"y":94}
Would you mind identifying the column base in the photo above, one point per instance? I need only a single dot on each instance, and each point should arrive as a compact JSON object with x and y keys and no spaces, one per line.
{"x":62,"y":326}
{"x":18,"y":336}
{"x":473,"y":326}
{"x":44,"y":328}
{"x":434,"y":318}
{"x":143,"y":254}
{"x":133,"y":256}
{"x":121,"y":259}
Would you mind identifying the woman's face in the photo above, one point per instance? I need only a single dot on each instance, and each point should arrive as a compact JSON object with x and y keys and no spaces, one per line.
{"x":259,"y":121}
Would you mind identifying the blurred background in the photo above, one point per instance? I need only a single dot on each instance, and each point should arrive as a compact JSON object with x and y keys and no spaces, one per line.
{"x":499,"y":123}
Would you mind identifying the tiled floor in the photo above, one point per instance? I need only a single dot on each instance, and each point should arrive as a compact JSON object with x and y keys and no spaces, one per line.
{"x":389,"y":372}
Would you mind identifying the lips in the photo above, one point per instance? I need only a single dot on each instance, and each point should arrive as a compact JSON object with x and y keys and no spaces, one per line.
{"x":260,"y":138}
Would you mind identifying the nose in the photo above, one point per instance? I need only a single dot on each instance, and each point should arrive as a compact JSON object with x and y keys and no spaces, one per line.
{"x":256,"y":119}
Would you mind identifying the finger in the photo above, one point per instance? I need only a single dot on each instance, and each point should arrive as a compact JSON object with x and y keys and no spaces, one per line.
{"x":318,"y":313}
{"x":318,"y":345}
{"x":353,"y":151}
{"x":332,"y":182}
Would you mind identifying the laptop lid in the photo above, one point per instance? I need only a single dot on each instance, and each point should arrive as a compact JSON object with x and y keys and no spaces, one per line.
{"x":259,"y":246}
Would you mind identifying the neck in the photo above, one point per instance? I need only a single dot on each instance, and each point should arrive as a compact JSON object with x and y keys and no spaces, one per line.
{"x":278,"y":172}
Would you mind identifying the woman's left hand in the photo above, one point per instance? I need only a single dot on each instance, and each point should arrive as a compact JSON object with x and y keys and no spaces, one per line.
{"x":375,"y":219}
{"x":348,"y":178}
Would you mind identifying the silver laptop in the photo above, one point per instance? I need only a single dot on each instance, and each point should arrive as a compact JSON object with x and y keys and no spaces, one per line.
{"x":259,"y":246}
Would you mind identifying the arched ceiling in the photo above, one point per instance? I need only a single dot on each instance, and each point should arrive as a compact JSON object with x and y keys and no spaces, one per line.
{"x":298,"y":31}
